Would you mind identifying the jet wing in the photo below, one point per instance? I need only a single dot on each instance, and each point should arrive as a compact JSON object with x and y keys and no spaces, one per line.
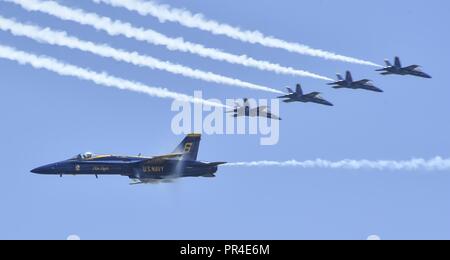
{"x":236,"y":110}
{"x":257,"y":110}
{"x":412,"y":67}
{"x":364,"y":81}
{"x":286,"y":96}
{"x":312,"y":95}
{"x":167,"y":156}
{"x":373,"y":88}
{"x":272,"y":116}
{"x":160,"y":158}
{"x":341,"y":82}
{"x":265,"y":112}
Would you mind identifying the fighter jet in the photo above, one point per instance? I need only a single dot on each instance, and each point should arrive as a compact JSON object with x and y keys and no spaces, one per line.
{"x":246,"y":111}
{"x":298,"y":96}
{"x":142,"y":170}
{"x":397,"y":69}
{"x":349,"y":83}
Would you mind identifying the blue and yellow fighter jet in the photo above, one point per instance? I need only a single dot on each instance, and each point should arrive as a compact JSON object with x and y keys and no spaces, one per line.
{"x":398,"y":69}
{"x":348,"y":82}
{"x":299,"y":96}
{"x":181,"y":163}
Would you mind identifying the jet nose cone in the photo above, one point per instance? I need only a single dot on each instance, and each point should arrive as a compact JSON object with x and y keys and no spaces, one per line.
{"x":47,"y":169}
{"x":39,"y":170}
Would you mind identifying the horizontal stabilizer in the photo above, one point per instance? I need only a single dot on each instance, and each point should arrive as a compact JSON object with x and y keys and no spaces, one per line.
{"x":216,"y":164}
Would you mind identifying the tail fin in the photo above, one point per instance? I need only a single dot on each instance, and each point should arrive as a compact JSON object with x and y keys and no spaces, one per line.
{"x":388,"y":63}
{"x":348,"y":76}
{"x":398,"y":63}
{"x":339,"y":77}
{"x":299,"y":90}
{"x":189,"y":146}
{"x":290,"y":90}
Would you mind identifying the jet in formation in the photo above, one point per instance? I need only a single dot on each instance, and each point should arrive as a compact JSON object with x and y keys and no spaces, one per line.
{"x":245,"y":110}
{"x":299,"y":96}
{"x":348,"y":82}
{"x":397,"y":69}
{"x":165,"y":168}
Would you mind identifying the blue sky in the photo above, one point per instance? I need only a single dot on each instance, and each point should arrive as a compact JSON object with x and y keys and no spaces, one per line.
{"x":46,"y":118}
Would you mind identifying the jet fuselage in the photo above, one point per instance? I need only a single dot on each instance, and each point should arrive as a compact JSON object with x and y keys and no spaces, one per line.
{"x":307,"y":99}
{"x":181,"y":163}
{"x":405,"y":72}
{"x":133,"y":167}
{"x":365,"y":84}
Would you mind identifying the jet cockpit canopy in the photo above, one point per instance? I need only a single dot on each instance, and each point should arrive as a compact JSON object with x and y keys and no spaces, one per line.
{"x":84,"y":156}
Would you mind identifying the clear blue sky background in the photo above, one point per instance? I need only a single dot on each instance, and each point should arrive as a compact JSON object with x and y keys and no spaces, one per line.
{"x":46,"y":118}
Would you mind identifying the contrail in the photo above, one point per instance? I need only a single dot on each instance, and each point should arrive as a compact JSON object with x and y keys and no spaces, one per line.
{"x":49,"y":36}
{"x":64,"y":69}
{"x":198,"y":21}
{"x":435,"y":164}
{"x":117,"y":27}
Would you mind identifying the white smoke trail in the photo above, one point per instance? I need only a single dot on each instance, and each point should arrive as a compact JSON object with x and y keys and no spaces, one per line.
{"x":64,"y":69}
{"x":435,"y":164}
{"x":116,"y":27}
{"x":198,"y":21}
{"x":49,"y":36}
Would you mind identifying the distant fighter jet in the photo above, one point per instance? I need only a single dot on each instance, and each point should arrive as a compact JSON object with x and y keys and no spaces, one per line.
{"x":298,"y":96}
{"x":397,"y":69}
{"x":166,"y":168}
{"x":349,"y":83}
{"x":246,"y":111}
